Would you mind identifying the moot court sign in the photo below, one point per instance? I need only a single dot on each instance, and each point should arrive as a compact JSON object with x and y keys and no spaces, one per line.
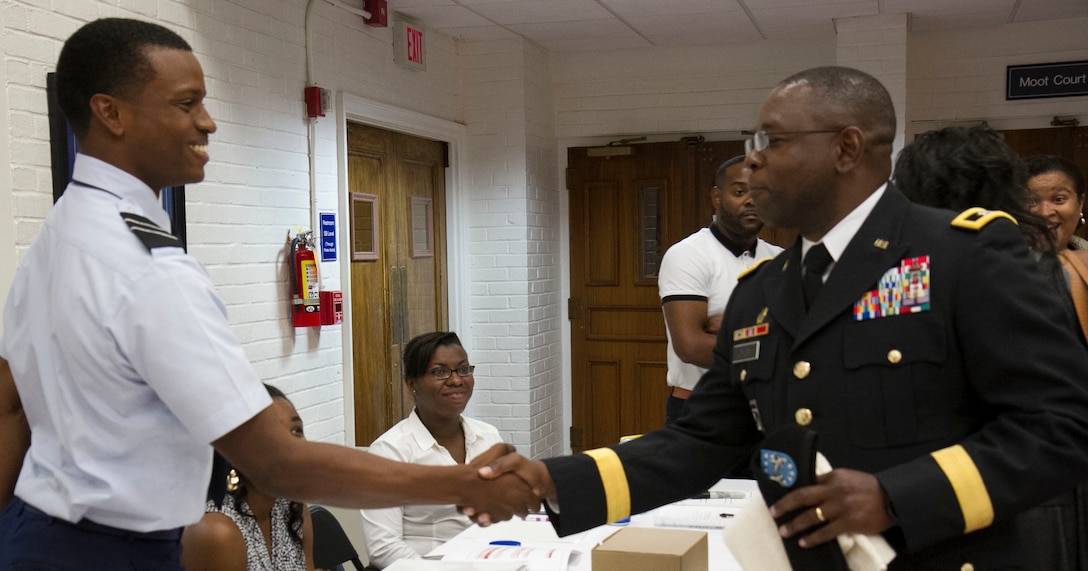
{"x":1039,"y":80}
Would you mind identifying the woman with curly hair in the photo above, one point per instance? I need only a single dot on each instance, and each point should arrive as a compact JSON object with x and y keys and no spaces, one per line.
{"x":961,"y":167}
{"x":253,"y":531}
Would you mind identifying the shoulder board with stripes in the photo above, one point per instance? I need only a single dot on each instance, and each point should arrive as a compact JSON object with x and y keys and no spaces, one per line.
{"x":149,"y":233}
{"x":976,"y":217}
{"x":752,"y":268}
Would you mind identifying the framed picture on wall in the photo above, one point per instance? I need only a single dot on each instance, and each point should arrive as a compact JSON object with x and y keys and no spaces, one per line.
{"x":62,"y":154}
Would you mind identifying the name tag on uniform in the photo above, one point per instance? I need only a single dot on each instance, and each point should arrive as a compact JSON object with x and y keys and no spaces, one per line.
{"x":744,"y":352}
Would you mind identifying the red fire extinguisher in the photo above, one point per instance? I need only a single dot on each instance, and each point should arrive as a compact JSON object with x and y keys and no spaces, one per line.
{"x":305,"y":294}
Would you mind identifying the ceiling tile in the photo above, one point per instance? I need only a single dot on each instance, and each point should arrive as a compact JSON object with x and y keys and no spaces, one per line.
{"x":538,"y":11}
{"x":632,"y":8}
{"x":694,"y":23}
{"x":829,"y":6}
{"x":584,"y":29}
{"x":595,"y":44}
{"x":439,"y":17}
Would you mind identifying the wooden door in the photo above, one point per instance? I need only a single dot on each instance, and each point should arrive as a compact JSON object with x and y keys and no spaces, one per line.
{"x":627,"y":206}
{"x":401,"y":291}
{"x":1070,"y":143}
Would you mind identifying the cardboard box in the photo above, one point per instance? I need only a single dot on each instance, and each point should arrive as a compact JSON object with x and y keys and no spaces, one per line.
{"x":652,"y":549}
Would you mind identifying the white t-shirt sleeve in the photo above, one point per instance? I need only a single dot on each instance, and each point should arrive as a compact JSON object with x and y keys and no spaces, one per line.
{"x":682,"y":273}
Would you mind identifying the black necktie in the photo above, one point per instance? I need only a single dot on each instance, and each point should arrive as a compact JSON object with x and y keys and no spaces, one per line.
{"x":816,"y":261}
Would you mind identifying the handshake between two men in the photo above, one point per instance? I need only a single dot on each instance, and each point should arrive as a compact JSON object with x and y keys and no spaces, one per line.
{"x":509,"y":485}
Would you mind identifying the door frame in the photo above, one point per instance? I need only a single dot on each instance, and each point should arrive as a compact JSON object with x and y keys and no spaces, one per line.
{"x":369,"y":112}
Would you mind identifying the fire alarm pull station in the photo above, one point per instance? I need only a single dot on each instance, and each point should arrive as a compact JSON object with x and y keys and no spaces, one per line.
{"x":332,"y":307}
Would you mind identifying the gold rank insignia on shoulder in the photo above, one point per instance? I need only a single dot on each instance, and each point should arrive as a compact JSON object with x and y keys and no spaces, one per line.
{"x":751,"y":269}
{"x":976,"y":217}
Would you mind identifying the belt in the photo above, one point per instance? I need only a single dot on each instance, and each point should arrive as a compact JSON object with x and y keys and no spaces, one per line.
{"x":680,"y":392}
{"x":86,"y":524}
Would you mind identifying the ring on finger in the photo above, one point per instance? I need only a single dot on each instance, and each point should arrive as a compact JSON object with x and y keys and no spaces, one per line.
{"x":820,"y":515}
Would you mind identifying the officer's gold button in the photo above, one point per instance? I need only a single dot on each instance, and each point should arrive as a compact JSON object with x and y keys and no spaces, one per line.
{"x":803,"y":416}
{"x":894,"y":356}
{"x":743,"y":374}
{"x":967,"y":567}
{"x":801,"y":369}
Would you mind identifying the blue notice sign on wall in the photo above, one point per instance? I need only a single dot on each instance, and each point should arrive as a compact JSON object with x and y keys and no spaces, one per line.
{"x":1040,"y":80}
{"x":328,"y":236}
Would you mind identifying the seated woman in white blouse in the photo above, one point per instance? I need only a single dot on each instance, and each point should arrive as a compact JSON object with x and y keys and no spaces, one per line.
{"x":439,"y":376}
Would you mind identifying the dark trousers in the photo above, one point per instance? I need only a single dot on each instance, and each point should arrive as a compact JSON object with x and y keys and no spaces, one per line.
{"x":31,"y":540}
{"x":674,"y":408}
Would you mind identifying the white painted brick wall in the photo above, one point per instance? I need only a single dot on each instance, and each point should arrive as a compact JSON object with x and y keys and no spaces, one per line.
{"x":507,"y":92}
{"x":673,"y":90}
{"x":959,"y":77}
{"x":878,"y":45}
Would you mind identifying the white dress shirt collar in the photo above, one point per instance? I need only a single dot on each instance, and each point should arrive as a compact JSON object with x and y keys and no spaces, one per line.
{"x":99,"y":175}
{"x":840,"y":235}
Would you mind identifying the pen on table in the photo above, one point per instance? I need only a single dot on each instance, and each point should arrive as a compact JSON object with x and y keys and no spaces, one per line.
{"x":508,"y":542}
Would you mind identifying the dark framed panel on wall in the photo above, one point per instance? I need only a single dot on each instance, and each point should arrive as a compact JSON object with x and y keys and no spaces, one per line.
{"x":364,"y":227}
{"x":62,"y":154}
{"x":422,"y":214}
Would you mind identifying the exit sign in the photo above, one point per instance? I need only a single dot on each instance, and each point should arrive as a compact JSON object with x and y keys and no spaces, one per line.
{"x":409,"y":45}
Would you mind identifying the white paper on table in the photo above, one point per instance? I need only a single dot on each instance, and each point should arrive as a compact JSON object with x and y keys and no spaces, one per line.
{"x":436,"y":565}
{"x":535,"y":558}
{"x":527,"y":532}
{"x":518,"y":529}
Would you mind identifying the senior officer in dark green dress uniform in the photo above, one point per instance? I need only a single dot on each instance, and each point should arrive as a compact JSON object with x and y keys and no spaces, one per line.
{"x":933,"y":363}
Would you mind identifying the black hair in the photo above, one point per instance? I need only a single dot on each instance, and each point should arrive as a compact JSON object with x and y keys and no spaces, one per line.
{"x":418,"y":351}
{"x":719,"y":176}
{"x":960,"y":167}
{"x":295,"y":509}
{"x":1040,"y":164}
{"x":852,"y":97}
{"x":107,"y":56}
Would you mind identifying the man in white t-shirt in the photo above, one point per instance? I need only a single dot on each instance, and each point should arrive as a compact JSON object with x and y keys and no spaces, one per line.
{"x":697,"y":277}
